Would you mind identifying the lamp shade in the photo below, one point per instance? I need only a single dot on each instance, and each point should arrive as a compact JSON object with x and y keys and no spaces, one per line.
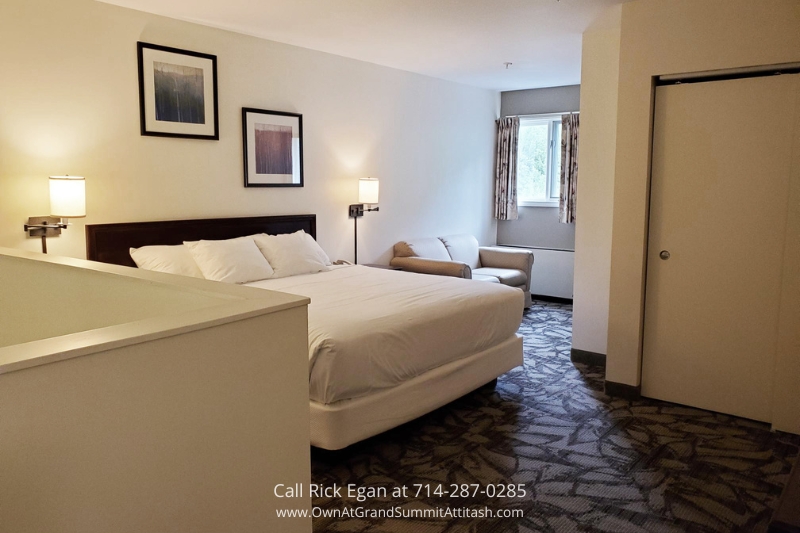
{"x":368,"y":191}
{"x":67,"y":196}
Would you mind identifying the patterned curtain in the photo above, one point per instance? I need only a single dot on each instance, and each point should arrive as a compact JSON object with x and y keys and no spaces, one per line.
{"x":569,"y":168}
{"x":505,"y":185}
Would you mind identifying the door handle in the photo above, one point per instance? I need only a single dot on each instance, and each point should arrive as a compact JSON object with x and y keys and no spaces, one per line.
{"x":664,"y":255}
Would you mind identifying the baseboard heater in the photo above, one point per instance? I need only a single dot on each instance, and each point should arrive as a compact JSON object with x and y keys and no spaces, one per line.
{"x":552,"y":272}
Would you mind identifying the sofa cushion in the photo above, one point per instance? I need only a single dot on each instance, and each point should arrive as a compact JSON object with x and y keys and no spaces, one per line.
{"x":427,"y":248}
{"x":506,"y":276}
{"x":490,"y":279}
{"x":463,"y":248}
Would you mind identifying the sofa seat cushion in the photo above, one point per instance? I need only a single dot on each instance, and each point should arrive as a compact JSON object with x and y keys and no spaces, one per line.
{"x":506,"y":276}
{"x":431,"y":248}
{"x":463,"y":248}
{"x":490,"y":279}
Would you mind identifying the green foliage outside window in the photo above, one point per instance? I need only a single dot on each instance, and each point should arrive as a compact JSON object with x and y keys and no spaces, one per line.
{"x":537,"y":174}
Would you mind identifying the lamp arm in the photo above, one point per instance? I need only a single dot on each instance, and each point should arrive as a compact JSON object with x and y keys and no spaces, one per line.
{"x":355,"y":211}
{"x":60,"y":225}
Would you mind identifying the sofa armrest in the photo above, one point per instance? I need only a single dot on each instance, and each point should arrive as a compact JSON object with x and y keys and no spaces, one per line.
{"x":433,"y":266}
{"x":513,"y":258}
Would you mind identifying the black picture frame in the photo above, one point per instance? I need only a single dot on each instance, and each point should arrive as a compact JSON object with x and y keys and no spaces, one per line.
{"x":268,"y":151}
{"x":194,"y":75}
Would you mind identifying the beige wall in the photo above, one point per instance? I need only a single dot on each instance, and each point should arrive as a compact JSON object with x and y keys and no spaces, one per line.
{"x":599,"y":89}
{"x":70,"y":105}
{"x":658,"y":38}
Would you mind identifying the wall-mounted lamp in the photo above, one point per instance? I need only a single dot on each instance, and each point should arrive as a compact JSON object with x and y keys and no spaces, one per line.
{"x":367,"y":196}
{"x":67,"y":200}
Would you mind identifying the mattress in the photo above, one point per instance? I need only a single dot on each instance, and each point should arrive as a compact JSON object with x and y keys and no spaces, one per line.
{"x":372,"y":329}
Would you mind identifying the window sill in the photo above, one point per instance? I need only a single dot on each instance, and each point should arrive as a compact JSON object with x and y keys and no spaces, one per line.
{"x":553,"y":203}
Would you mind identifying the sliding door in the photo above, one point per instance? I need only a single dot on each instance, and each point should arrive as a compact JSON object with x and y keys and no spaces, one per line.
{"x":722,"y":156}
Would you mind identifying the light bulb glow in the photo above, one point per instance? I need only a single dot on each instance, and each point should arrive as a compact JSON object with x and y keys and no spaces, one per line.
{"x":368,"y":191}
{"x":67,"y":196}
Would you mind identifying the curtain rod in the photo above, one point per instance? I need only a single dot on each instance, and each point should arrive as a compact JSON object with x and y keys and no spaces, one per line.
{"x":546,"y":114}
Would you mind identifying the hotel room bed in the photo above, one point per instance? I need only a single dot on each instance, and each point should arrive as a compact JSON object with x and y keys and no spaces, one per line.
{"x":385,"y":347}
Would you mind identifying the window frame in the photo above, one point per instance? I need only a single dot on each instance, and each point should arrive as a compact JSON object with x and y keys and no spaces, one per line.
{"x":554,"y":121}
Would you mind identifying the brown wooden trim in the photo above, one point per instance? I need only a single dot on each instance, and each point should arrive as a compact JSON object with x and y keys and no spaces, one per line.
{"x":585,"y":357}
{"x":621,"y":390}
{"x":554,"y":299}
{"x":111,"y":243}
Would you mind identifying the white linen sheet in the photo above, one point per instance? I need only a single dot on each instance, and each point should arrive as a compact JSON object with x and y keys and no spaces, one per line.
{"x":371,"y":329}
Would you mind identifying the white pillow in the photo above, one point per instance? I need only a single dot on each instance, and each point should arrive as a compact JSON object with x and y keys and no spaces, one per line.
{"x":292,"y":254}
{"x":323,"y":257}
{"x":169,"y":259}
{"x":232,"y":261}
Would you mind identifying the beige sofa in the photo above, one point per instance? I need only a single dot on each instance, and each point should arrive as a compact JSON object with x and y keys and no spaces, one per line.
{"x":462,"y":257}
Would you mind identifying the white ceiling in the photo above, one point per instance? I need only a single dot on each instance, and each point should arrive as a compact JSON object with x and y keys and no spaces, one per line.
{"x":465,"y":41}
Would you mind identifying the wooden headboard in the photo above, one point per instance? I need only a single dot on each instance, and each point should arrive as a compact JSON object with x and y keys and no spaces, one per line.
{"x":110,"y":243}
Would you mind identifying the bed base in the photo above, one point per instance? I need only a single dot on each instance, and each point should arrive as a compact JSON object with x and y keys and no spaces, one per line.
{"x":340,"y":424}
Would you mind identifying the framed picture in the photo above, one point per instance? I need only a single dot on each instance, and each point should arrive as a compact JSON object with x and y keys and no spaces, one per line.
{"x":177,"y":92}
{"x":273,"y":148}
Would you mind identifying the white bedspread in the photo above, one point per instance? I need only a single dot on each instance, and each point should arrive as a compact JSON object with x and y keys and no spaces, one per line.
{"x":370,"y":329}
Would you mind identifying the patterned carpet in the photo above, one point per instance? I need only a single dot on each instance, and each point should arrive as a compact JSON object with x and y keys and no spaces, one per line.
{"x":588,"y":462}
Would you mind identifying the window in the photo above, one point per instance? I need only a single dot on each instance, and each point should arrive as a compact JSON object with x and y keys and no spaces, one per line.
{"x":539,"y":160}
